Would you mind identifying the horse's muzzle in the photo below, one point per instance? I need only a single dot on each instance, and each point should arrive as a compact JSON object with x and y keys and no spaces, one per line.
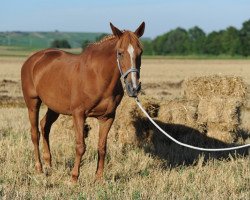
{"x":131,"y":91}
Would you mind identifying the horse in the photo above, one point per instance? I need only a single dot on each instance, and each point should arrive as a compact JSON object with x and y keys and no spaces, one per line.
{"x":81,"y":85}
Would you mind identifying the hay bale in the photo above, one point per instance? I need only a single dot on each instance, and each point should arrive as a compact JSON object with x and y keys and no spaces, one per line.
{"x":207,"y":86}
{"x":219,"y":110}
{"x":221,"y":116}
{"x":123,"y":124}
{"x":221,"y":131}
{"x":179,"y":111}
{"x":220,"y":100}
{"x":130,"y":123}
{"x":65,"y":124}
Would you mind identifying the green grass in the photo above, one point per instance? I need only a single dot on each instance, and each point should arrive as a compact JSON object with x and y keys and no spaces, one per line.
{"x":6,"y":51}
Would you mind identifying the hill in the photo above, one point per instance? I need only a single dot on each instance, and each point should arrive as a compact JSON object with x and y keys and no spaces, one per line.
{"x":44,"y":39}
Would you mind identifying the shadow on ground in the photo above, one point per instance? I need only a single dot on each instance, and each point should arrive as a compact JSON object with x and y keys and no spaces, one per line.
{"x":157,"y":144}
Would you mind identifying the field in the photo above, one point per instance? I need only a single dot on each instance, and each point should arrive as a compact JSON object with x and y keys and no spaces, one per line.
{"x":131,"y":172}
{"x":44,"y":39}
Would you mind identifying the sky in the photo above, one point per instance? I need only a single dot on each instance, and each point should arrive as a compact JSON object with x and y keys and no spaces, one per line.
{"x":160,"y":16}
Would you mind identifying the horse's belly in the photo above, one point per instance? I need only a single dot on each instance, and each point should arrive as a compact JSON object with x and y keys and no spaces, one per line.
{"x":56,"y":105}
{"x":55,"y":98}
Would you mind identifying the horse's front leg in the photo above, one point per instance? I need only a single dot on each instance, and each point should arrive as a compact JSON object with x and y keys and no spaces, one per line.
{"x":104,"y":127}
{"x":79,"y":119}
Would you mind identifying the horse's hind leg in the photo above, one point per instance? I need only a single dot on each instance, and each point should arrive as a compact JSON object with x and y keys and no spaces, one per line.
{"x":33,"y":105}
{"x":46,"y":123}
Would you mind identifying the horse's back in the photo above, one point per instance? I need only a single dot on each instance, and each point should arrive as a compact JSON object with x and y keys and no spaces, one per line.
{"x":29,"y":64}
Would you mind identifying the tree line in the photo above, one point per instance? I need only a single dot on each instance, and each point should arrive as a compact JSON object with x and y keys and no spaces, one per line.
{"x":195,"y":41}
{"x":65,"y":43}
{"x":60,"y":44}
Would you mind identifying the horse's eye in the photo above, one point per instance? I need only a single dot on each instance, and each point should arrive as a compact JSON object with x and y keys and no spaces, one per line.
{"x":120,"y":52}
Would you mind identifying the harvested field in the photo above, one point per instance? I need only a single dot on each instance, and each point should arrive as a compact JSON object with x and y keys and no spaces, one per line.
{"x":141,"y":162}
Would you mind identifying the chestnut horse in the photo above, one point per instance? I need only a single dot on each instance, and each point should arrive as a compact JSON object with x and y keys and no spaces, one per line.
{"x":84,"y":85}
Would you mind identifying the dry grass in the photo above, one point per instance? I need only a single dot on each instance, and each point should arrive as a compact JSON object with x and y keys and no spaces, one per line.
{"x":161,"y":171}
{"x":130,"y":172}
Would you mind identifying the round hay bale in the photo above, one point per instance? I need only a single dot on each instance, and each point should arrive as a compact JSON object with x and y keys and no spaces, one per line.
{"x":207,"y":86}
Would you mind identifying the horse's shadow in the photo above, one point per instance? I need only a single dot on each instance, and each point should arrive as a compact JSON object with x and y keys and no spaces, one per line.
{"x":157,"y":144}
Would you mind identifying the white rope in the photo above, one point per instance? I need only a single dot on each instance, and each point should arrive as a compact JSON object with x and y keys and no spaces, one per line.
{"x":183,"y":144}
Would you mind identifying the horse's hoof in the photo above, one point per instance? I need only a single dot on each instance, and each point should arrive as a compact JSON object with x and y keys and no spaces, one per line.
{"x":38,"y":168}
{"x":47,"y":171}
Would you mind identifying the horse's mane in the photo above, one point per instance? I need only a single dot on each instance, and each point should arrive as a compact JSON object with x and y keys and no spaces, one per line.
{"x":104,"y":39}
{"x":130,"y":37}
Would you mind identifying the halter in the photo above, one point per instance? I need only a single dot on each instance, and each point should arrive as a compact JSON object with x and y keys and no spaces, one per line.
{"x":124,"y":75}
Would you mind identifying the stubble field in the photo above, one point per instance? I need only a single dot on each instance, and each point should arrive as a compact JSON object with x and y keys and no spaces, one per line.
{"x":131,"y":172}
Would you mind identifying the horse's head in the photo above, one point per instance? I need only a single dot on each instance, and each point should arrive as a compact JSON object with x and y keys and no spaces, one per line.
{"x":129,"y":51}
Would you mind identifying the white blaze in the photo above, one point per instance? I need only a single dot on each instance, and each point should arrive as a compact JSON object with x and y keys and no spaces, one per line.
{"x":133,"y":74}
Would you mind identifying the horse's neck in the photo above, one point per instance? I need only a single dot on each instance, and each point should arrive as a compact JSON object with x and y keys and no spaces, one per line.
{"x":107,"y":63}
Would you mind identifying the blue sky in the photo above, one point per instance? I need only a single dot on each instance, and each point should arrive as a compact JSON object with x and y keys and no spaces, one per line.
{"x":94,"y":16}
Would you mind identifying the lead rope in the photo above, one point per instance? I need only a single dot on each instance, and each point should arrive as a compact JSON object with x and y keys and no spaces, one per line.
{"x":183,"y":144}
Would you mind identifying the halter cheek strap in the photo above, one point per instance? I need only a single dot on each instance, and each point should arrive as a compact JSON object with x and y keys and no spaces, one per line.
{"x":124,"y":75}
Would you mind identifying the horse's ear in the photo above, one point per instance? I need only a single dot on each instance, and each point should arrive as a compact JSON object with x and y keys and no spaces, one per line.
{"x":140,"y":30}
{"x":115,"y":30}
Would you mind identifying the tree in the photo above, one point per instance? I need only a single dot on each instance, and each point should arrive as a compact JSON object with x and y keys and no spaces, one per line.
{"x":177,"y":42}
{"x":245,"y":38}
{"x":60,"y":44}
{"x":214,"y":43}
{"x":231,"y":41}
{"x":197,"y":39}
{"x":174,"y":42}
{"x":147,"y":47}
{"x":157,"y":44}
